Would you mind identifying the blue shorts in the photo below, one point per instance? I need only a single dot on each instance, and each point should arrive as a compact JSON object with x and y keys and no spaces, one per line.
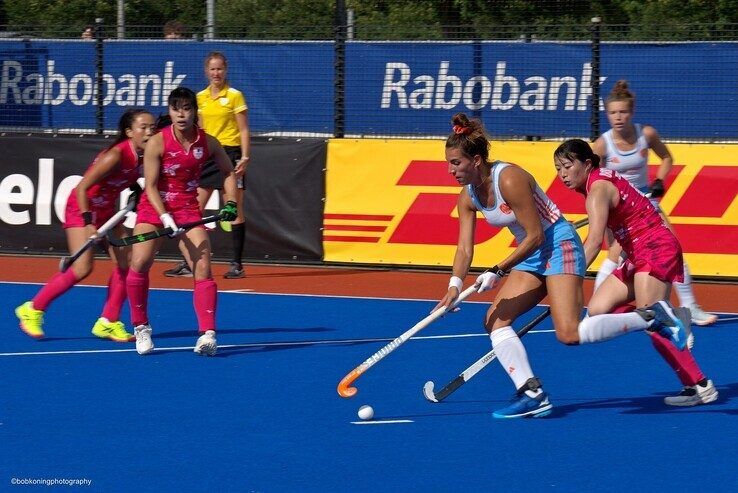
{"x":561,"y":252}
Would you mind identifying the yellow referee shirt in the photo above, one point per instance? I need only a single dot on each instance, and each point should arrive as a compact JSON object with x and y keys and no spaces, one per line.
{"x":218,"y":114}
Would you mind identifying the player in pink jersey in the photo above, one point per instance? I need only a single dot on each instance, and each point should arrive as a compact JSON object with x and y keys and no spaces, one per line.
{"x":172,"y":164}
{"x":90,"y":205}
{"x":547,"y":261}
{"x":624,"y":148}
{"x":653,"y":263}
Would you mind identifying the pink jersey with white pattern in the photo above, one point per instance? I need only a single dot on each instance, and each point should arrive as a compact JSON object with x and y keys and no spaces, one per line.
{"x":103,"y":195}
{"x":179,"y":175}
{"x":634,"y":218}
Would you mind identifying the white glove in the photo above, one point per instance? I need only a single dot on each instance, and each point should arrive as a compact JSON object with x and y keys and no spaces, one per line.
{"x":168,"y":222}
{"x":487,"y":280}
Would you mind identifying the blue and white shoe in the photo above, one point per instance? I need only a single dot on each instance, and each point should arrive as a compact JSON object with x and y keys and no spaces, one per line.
{"x":668,"y":324}
{"x":523,"y":406}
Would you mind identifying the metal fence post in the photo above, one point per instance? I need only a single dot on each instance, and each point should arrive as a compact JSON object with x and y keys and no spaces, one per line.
{"x":339,"y":75}
{"x":594,"y":120}
{"x":99,"y":116}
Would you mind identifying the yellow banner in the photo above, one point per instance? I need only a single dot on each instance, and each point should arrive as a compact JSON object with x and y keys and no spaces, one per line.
{"x":393,"y":202}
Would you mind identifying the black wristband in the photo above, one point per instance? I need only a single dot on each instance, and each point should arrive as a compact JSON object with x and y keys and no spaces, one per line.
{"x":87,"y":217}
{"x":498,"y":272}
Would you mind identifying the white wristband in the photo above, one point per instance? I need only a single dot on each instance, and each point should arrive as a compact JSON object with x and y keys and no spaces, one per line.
{"x":456,"y":282}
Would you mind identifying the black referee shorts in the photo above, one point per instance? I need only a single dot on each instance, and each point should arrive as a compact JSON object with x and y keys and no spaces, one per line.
{"x":211,"y":177}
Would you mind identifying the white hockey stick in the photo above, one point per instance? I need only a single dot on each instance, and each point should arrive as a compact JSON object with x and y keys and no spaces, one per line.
{"x":67,"y":261}
{"x":344,"y":387}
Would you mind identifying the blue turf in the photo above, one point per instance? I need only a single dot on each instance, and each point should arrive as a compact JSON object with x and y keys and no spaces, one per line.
{"x":264,"y":417}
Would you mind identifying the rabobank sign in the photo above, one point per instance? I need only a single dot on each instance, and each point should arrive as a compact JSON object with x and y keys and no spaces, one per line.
{"x":515,"y":88}
{"x":54,"y":84}
{"x":389,"y":88}
{"x":538,"y":89}
{"x":51,"y":87}
{"x":501,"y":91}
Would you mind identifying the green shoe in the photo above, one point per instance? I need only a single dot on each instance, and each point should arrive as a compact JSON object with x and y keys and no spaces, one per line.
{"x":115,"y":331}
{"x":31,"y":320}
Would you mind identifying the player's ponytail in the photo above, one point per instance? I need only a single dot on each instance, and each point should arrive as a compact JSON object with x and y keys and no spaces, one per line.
{"x":469,"y":136}
{"x":621,"y":92}
{"x":126,"y":121}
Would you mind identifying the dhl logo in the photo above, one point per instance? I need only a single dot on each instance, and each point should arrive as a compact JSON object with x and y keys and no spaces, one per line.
{"x":430,"y":219}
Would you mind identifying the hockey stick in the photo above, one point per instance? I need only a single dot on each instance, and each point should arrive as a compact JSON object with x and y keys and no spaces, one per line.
{"x":344,"y":387}
{"x":476,"y":367}
{"x":67,"y":261}
{"x":482,"y":362}
{"x":152,"y":235}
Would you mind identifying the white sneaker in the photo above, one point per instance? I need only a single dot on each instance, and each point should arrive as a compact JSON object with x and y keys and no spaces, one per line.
{"x":206,"y":344}
{"x":700,"y":316}
{"x":144,"y":344}
{"x":692,"y":396}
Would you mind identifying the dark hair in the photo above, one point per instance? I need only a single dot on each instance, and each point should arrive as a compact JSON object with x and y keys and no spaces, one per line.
{"x":163,"y":120}
{"x":469,"y":136}
{"x":577,"y":149}
{"x":126,"y":122}
{"x":620,"y":92}
{"x":174,"y":27}
{"x":180,"y":96}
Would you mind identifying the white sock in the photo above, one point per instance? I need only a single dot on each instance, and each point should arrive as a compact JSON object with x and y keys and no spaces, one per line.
{"x":607,"y":268}
{"x":512,"y":355}
{"x":684,"y":289}
{"x":601,"y":328}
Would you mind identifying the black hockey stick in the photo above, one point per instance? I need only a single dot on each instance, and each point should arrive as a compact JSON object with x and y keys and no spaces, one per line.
{"x":152,"y":235}
{"x":476,"y":367}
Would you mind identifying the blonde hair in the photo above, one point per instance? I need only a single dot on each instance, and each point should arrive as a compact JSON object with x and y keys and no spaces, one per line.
{"x":216,"y":54}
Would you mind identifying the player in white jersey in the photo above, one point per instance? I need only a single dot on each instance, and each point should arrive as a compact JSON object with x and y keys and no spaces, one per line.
{"x":548,"y":260}
{"x":624,"y":148}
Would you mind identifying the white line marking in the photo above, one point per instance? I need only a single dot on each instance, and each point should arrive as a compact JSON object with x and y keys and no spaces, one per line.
{"x":251,"y":344}
{"x":383,"y":422}
{"x":265,"y":293}
{"x":304,"y":295}
{"x":270,"y":344}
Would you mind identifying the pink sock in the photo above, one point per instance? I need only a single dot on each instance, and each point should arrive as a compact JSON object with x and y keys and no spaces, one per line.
{"x":59,"y":284}
{"x":137,"y":284}
{"x":682,"y":362}
{"x":205,"y":299}
{"x":116,"y":294}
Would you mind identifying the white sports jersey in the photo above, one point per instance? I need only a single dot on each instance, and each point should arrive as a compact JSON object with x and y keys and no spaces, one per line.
{"x":633,"y":164}
{"x":502,"y":216}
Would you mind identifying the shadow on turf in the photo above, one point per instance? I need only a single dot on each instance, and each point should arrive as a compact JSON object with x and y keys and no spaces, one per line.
{"x":325,"y":273}
{"x":229,"y":349}
{"x":262,"y":330}
{"x":653,"y":404}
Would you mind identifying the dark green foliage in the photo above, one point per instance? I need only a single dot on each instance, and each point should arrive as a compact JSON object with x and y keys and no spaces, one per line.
{"x":387,"y":19}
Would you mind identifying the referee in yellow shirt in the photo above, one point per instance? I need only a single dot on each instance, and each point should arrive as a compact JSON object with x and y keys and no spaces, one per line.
{"x":223,"y":113}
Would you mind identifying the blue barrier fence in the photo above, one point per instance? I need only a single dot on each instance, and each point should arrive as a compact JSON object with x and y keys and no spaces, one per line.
{"x":688,"y":91}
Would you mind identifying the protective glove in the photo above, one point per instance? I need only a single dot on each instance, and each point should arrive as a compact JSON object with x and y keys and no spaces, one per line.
{"x":657,"y":188}
{"x":229,"y":211}
{"x":168,"y":222}
{"x":489,"y":279}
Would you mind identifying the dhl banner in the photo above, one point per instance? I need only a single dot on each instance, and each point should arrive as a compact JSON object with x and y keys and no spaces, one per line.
{"x":393,"y":202}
